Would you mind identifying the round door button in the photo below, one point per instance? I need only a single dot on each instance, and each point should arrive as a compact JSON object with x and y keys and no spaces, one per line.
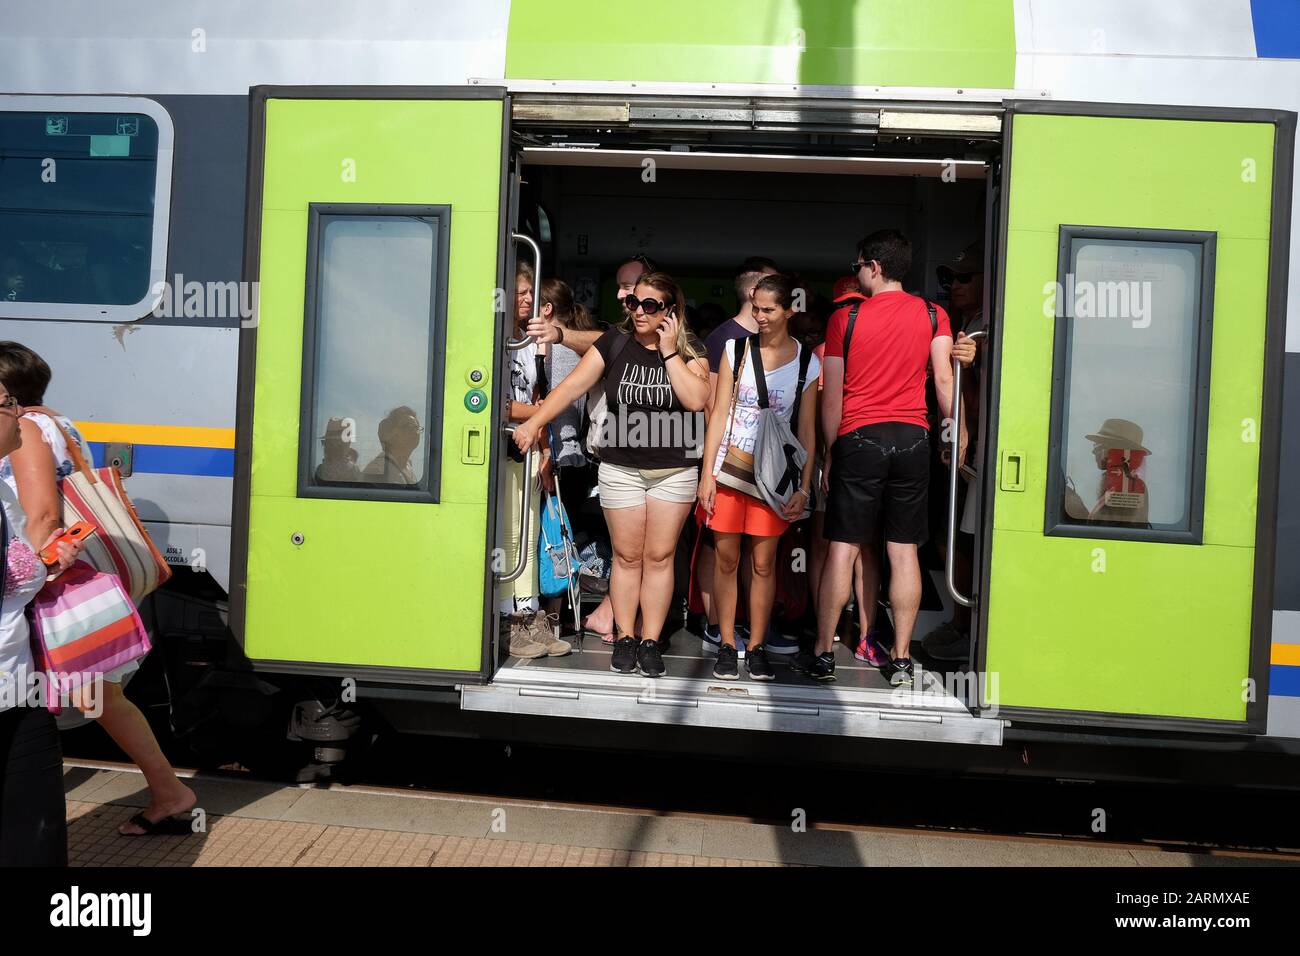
{"x":476,"y":400}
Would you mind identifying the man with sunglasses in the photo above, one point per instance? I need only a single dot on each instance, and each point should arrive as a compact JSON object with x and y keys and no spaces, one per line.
{"x":878,"y":351}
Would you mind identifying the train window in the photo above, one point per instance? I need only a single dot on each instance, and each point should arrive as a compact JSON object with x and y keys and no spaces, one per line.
{"x":1130,"y":384}
{"x":85,"y":185}
{"x":373,"y":347}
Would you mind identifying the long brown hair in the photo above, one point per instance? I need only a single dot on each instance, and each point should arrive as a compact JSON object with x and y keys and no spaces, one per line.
{"x":566,"y":309}
{"x":675,"y":300}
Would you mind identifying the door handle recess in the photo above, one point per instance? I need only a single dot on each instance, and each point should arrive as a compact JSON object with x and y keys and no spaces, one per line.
{"x":1012,"y":471}
{"x":473,"y":445}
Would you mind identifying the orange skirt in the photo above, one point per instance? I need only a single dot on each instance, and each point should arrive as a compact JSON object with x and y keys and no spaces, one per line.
{"x":737,"y":513}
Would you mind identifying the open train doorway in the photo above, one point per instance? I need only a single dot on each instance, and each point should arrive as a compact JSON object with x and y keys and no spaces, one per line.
{"x":698,"y":204}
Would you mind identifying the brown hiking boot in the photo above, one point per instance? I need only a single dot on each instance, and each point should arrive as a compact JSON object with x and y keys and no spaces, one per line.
{"x":543,"y":628}
{"x":522,"y":641}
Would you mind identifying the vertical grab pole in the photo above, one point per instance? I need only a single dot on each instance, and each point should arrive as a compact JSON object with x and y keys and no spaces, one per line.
{"x":512,"y":344}
{"x":526,"y":500}
{"x":953,"y":477}
{"x":526,"y":497}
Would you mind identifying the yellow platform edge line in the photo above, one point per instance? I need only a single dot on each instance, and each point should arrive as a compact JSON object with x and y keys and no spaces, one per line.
{"x":194,"y":436}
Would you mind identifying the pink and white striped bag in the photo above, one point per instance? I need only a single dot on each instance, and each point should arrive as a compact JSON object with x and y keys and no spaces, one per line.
{"x":84,"y":624}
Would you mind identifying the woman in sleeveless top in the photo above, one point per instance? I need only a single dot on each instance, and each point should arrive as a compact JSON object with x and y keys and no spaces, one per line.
{"x":33,"y":472}
{"x":727,"y":490}
{"x":656,"y":384}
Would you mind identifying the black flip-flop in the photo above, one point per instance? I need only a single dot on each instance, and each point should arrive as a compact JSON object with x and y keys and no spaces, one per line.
{"x":167,"y":826}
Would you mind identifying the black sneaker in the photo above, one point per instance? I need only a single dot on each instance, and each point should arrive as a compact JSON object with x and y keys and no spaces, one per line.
{"x":649,"y":659}
{"x":823,"y":668}
{"x":816,"y":666}
{"x":624,"y":659}
{"x":802,"y":662}
{"x":899,"y":672}
{"x":757,"y":665}
{"x":726,"y":668}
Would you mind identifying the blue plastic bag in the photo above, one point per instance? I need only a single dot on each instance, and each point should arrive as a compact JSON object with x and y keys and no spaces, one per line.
{"x":556,"y":558}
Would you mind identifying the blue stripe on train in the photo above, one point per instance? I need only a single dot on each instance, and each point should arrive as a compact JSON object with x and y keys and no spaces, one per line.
{"x":176,"y":460}
{"x":1277,"y":28}
{"x":1284,"y":681}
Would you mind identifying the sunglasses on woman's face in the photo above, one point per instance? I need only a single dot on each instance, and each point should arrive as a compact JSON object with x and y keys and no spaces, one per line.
{"x":648,"y":306}
{"x":9,"y":403}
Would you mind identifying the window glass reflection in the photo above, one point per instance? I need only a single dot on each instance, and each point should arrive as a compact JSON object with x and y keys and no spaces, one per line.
{"x":1130,"y":383}
{"x":374,"y":344}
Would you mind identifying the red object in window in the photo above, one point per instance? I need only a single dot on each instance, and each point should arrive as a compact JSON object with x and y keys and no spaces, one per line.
{"x":1121,"y":487}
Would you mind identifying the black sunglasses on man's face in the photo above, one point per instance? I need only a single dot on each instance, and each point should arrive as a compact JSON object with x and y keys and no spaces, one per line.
{"x":946,"y":279}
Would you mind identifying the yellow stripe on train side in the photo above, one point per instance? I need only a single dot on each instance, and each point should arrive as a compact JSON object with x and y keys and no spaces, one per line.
{"x":1286,"y":654}
{"x":194,"y":436}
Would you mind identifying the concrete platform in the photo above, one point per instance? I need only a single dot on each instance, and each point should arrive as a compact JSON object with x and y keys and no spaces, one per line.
{"x":249,"y":823}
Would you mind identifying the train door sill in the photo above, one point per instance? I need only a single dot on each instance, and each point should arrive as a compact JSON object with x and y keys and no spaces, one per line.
{"x":859,"y":704}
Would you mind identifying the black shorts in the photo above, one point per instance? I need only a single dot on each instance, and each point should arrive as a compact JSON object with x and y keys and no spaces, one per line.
{"x":880,"y":473}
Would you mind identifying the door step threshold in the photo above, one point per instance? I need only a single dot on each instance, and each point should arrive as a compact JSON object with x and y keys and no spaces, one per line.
{"x":928,"y":713}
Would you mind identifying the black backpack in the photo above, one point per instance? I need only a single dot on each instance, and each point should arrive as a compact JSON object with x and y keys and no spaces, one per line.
{"x":853,"y":317}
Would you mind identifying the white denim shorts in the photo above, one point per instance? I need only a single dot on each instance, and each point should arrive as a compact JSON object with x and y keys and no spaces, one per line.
{"x":623,"y":487}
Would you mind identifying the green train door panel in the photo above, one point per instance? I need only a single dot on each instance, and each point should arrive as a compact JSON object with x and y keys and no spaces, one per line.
{"x":1126,"y":562}
{"x":365,"y":418}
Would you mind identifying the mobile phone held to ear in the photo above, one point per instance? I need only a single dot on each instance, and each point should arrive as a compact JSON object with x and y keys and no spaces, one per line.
{"x":78,"y":532}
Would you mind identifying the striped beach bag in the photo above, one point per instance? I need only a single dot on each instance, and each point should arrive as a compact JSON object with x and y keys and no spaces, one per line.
{"x":122,"y":546}
{"x":84,"y":624}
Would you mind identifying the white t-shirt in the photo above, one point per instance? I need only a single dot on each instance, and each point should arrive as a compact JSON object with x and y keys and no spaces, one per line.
{"x":781,"y":384}
{"x":523,"y":373}
{"x":24,"y":575}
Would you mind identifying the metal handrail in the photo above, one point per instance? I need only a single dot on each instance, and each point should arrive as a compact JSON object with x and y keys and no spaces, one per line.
{"x":953,"y":476}
{"x":512,"y":344}
{"x":526,"y":501}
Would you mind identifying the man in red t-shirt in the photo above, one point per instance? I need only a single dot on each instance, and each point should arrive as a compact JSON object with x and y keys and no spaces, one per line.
{"x":875,"y":425}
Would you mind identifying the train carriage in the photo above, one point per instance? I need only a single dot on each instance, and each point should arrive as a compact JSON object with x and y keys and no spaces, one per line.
{"x":262,"y":222}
